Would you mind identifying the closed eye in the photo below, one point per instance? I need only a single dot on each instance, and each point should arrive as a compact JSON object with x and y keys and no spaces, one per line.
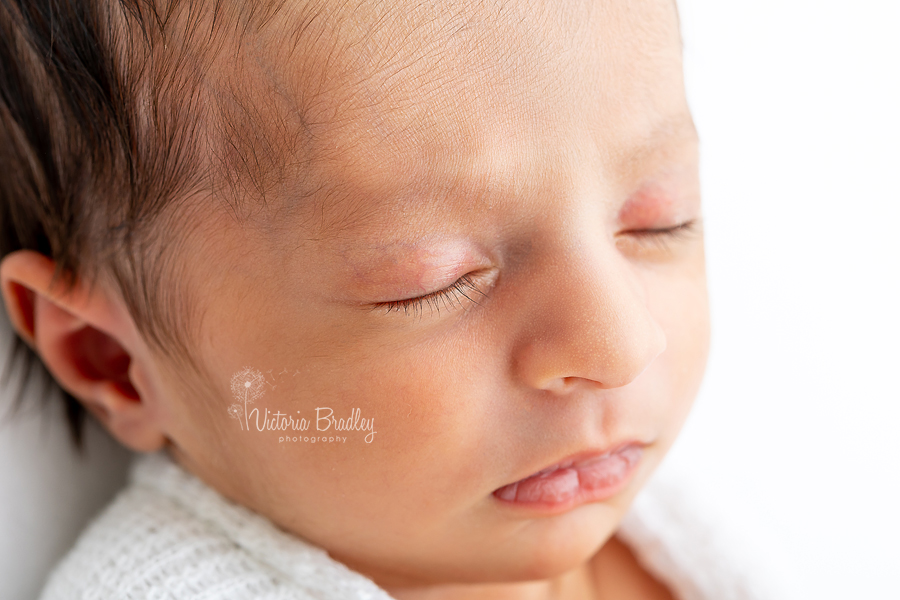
{"x":466,"y":291}
{"x":463,"y":292}
{"x":665,"y":237}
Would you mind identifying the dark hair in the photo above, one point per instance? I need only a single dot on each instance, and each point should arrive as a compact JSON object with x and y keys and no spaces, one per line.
{"x":110,"y":118}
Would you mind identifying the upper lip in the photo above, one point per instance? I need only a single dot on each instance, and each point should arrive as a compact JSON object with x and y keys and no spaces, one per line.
{"x":585,"y":457}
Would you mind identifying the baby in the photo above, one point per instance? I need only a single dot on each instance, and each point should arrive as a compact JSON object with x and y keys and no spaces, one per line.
{"x":420,"y":284}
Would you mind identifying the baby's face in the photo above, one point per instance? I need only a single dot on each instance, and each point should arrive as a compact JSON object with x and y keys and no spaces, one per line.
{"x":484,"y":257}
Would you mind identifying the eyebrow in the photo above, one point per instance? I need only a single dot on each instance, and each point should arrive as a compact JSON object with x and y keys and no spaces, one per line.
{"x":674,"y":130}
{"x":675,"y":127}
{"x":340,"y":211}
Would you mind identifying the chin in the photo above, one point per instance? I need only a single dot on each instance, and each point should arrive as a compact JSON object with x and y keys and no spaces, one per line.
{"x":542,"y":549}
{"x":536,"y":549}
{"x":563,"y":546}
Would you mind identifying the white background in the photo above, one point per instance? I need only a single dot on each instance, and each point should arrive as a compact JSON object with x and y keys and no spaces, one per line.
{"x":794,"y":435}
{"x":795,"y":431}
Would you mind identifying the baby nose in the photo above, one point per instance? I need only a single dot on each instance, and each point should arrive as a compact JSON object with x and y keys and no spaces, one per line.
{"x":590,"y":326}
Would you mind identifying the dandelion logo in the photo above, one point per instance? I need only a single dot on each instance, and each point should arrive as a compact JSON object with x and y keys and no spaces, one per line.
{"x":247,"y":386}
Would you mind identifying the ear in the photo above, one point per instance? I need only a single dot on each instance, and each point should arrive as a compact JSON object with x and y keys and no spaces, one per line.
{"x":88,"y":342}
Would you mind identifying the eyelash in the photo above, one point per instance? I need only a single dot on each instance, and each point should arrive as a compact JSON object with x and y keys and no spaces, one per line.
{"x":465,"y":290}
{"x":663,"y":238}
{"x":462,"y":291}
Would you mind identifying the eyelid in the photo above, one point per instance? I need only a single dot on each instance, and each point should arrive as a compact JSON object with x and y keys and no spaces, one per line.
{"x":662,"y":237}
{"x":689,"y":226}
{"x":467,"y":290}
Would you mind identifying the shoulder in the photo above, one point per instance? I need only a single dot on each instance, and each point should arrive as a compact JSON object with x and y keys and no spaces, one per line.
{"x":145,"y":544}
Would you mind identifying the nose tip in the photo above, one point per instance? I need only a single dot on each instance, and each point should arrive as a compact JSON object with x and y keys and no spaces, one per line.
{"x":599,"y":333}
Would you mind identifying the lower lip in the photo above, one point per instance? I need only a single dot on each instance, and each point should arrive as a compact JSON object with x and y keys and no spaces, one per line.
{"x":591,"y":480}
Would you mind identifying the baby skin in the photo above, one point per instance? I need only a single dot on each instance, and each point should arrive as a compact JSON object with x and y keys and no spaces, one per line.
{"x":486,"y":239}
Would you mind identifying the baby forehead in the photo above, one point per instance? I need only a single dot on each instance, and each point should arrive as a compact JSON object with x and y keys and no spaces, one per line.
{"x":340,"y":59}
{"x":380,"y":88}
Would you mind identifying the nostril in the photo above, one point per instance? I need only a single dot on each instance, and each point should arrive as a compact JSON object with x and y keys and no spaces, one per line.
{"x":568,"y":382}
{"x":562,"y":385}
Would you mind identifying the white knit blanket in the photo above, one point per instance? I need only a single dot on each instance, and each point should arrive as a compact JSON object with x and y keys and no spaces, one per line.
{"x":168,"y":535}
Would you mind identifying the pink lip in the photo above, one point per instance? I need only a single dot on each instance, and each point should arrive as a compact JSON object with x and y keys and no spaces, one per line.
{"x":582,"y":478}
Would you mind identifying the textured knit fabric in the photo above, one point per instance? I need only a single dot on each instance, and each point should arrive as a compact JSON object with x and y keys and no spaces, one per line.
{"x":168,"y":535}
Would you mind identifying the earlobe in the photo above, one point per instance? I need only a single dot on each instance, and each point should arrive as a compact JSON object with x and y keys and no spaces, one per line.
{"x":84,"y":343}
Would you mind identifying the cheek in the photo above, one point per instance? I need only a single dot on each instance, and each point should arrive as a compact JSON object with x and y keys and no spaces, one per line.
{"x":430,"y":424}
{"x":430,"y":429}
{"x":680,"y":305}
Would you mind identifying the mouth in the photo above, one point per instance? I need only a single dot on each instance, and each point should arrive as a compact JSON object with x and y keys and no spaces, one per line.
{"x":577,"y":480}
